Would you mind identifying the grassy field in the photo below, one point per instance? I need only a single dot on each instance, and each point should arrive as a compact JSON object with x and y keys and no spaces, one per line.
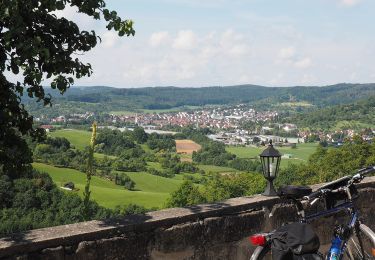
{"x":150,"y":191}
{"x":296,"y":104}
{"x":153,"y":111}
{"x":216,"y":169}
{"x":122,"y":113}
{"x":79,"y":138}
{"x":351,"y":125}
{"x":298,"y":155}
{"x":173,"y":109}
{"x":101,"y":156}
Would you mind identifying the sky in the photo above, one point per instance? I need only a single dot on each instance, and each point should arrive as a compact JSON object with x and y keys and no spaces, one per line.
{"x":197,"y":43}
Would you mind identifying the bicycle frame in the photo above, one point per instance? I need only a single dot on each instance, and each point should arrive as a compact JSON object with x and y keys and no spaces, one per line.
{"x":343,"y":234}
{"x":344,"y":206}
{"x":353,"y":224}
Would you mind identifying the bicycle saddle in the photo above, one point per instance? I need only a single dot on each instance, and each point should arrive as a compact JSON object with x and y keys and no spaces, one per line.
{"x":294,"y":192}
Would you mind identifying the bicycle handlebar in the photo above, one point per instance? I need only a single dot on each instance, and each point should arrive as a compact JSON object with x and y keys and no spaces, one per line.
{"x":356,"y":178}
{"x":314,"y":195}
{"x":366,"y":171}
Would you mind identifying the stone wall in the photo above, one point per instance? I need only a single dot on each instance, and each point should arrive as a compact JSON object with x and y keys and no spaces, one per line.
{"x":209,"y":231}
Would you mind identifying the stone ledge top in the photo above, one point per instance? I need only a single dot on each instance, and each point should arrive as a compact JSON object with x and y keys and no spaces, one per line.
{"x":85,"y":231}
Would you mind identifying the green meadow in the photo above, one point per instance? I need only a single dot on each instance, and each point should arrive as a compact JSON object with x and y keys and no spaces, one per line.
{"x":150,"y":191}
{"x":217,"y":169}
{"x":79,"y":138}
{"x":168,"y":110}
{"x":296,"y":104}
{"x":298,"y":155}
{"x":153,"y":111}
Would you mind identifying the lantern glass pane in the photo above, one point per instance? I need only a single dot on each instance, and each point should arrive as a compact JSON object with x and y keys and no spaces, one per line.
{"x":273,"y":167}
{"x":264,"y":168}
{"x":278,"y":164}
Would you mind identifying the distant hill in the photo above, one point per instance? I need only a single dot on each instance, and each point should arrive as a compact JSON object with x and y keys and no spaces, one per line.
{"x":116,"y":99}
{"x":356,"y":115}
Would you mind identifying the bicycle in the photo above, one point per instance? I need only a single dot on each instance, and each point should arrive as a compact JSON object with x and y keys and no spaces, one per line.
{"x":353,"y":240}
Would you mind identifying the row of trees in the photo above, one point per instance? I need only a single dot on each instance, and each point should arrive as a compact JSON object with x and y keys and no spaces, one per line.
{"x":217,"y":188}
{"x":115,"y":142}
{"x":355,"y":114}
{"x":124,"y":180}
{"x":214,"y":153}
{"x":326,"y":164}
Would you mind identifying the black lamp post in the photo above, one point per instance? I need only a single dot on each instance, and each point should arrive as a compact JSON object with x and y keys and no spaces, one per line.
{"x":270,"y":159}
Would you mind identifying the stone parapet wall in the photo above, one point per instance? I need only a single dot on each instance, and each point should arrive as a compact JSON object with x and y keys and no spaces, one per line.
{"x":208,"y":231}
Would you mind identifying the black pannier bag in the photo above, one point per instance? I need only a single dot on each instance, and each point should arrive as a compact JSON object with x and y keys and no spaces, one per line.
{"x":295,"y":241}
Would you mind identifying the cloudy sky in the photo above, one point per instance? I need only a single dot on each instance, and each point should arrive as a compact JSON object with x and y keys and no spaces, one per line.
{"x":226,"y":42}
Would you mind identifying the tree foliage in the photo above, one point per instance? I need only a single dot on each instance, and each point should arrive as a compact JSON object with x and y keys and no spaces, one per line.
{"x":171,"y":97}
{"x":114,"y":142}
{"x":328,"y":164}
{"x":187,"y":194}
{"x":218,"y":188}
{"x":213,"y":153}
{"x":35,"y":202}
{"x":161,"y":142}
{"x":352,"y":115}
{"x":124,"y":180}
{"x":36,"y":45}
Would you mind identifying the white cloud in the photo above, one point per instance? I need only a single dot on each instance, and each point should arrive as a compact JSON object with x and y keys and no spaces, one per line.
{"x":231,"y":43}
{"x":350,"y":2}
{"x":353,"y":76}
{"x":159,"y":38}
{"x":109,"y":39}
{"x":239,"y":50}
{"x":290,"y":56}
{"x":287,"y":53}
{"x":83,"y":21}
{"x":185,"y":40}
{"x":192,"y":60}
{"x":307,"y":79}
{"x":277,"y":80}
{"x":303,"y":63}
{"x":227,"y":57}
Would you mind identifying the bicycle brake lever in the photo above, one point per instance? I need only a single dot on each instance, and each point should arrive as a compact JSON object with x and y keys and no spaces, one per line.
{"x":314,"y":201}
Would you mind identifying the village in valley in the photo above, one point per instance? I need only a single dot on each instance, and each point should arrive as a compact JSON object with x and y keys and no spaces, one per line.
{"x":233,"y":125}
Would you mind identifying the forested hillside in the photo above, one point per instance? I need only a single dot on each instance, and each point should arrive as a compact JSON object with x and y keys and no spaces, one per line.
{"x":360,"y":113}
{"x":114,"y":99}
